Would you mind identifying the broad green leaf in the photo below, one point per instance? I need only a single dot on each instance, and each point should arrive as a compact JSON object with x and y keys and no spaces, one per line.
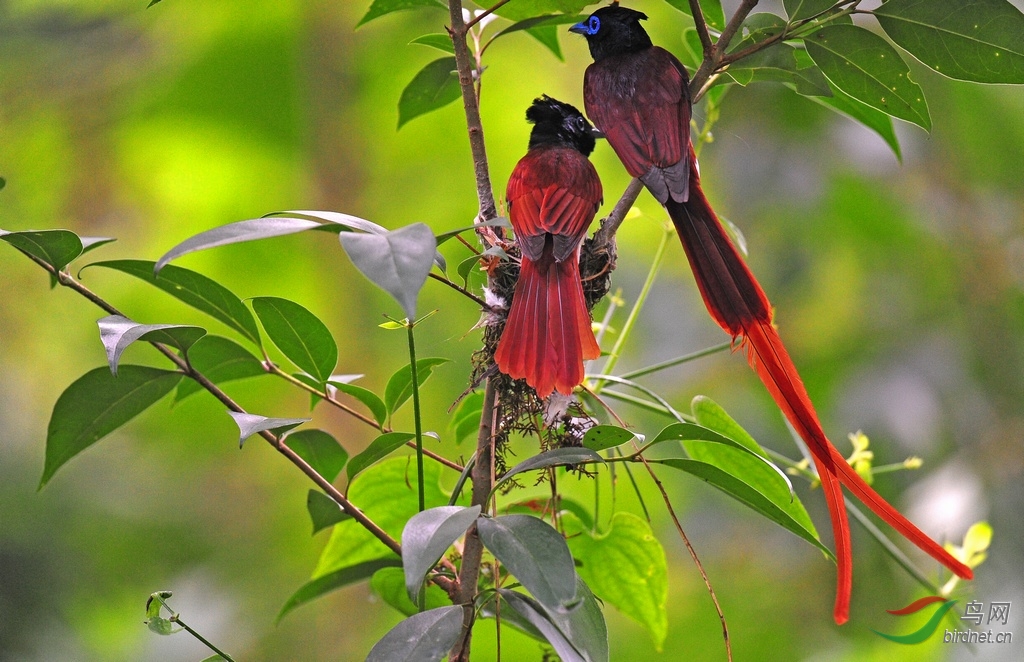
{"x":379,"y":448}
{"x":118,"y":332}
{"x":54,"y":247}
{"x":841,"y":102}
{"x":711,"y":415}
{"x":578,"y":635}
{"x":194,"y":289}
{"x":626,"y":568}
{"x":323,"y":511}
{"x":427,"y":536}
{"x":866,"y":67}
{"x":98,"y":403}
{"x":980,"y":41}
{"x":423,"y":637}
{"x":434,"y":86}
{"x":322,"y":584}
{"x":520,"y":10}
{"x":299,"y":334}
{"x":441,"y":42}
{"x":219,"y":360}
{"x":250,"y":424}
{"x":757,"y":27}
{"x":778,"y":64}
{"x":387,"y":493}
{"x":277,"y":224}
{"x":548,"y":36}
{"x":556,"y":457}
{"x":804,"y":9}
{"x":389,"y":584}
{"x":366,"y":396}
{"x":466,"y":421}
{"x":600,"y":437}
{"x":689,"y":432}
{"x":398,"y":262}
{"x":399,"y":387}
{"x":712,"y":10}
{"x":320,"y":450}
{"x":535,"y":553}
{"x":383,"y":7}
{"x":744,"y":493}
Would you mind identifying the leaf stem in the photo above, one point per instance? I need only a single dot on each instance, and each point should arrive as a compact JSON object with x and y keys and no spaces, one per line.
{"x":416,"y":414}
{"x":177,"y":619}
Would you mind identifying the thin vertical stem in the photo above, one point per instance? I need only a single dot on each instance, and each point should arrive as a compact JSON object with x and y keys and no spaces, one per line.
{"x":416,"y":414}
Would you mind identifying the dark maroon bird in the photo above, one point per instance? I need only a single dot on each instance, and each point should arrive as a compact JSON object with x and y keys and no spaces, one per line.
{"x":553,"y":194}
{"x":638,"y":95}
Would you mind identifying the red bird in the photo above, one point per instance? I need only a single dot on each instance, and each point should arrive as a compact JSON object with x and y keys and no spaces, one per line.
{"x":638,"y":95}
{"x":553,"y":194}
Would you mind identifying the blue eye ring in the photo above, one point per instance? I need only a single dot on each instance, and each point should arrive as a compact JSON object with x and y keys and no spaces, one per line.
{"x":593,"y":25}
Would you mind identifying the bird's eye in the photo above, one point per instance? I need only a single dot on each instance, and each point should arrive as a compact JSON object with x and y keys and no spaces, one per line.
{"x":593,"y":25}
{"x":581,"y":123}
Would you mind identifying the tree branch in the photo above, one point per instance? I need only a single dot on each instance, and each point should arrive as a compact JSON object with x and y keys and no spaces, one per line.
{"x":702,"y":26}
{"x":713,"y":59}
{"x":71,"y":283}
{"x":610,"y":225}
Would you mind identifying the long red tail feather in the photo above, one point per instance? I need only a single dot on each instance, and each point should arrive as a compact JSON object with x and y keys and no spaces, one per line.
{"x":738,"y":304}
{"x":547,"y":336}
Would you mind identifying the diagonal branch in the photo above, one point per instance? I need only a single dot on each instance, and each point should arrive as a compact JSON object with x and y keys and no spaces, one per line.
{"x":702,"y":26}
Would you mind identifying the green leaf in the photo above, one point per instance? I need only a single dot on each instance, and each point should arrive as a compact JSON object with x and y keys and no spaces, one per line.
{"x":3,"y":183}
{"x":250,"y":424}
{"x":324,"y":511}
{"x":548,"y":36}
{"x":441,"y":42}
{"x":778,"y":64}
{"x":536,"y":23}
{"x":744,"y":493}
{"x":803,"y":9}
{"x":979,"y":41}
{"x":398,"y":262}
{"x":118,"y":332}
{"x":387,"y":493}
{"x":866,"y":67}
{"x":423,"y":637}
{"x":399,"y":387}
{"x":318,"y":586}
{"x":56,"y":248}
{"x":555,"y":457}
{"x":712,"y":10}
{"x":711,"y":415}
{"x":578,"y":635}
{"x":521,"y":10}
{"x":841,"y":102}
{"x":95,"y":405}
{"x":194,"y":289}
{"x":434,"y":86}
{"x":366,"y":396}
{"x":273,"y":225}
{"x":535,"y":553}
{"x":466,"y":421}
{"x":219,"y":360}
{"x":600,"y":437}
{"x":299,"y":334}
{"x":383,"y":7}
{"x":626,"y":568}
{"x":427,"y":536}
{"x":379,"y":448}
{"x":320,"y":451}
{"x":389,"y":584}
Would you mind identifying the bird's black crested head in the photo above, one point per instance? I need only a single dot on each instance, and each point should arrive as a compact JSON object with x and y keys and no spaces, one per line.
{"x":558,"y":123}
{"x":613,"y":30}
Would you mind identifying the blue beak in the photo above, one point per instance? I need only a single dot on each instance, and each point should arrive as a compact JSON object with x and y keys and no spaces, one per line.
{"x":580,"y":28}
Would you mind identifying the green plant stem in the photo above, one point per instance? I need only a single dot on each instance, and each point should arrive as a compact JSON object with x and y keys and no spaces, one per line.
{"x":714,"y":349}
{"x":177,"y":619}
{"x":634,"y":313}
{"x":416,"y":415}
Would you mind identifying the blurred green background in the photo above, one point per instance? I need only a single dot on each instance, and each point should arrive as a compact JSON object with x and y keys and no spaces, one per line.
{"x":899,"y":290}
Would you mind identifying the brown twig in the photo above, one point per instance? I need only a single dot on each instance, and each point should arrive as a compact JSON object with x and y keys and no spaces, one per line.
{"x":610,"y":225}
{"x":702,"y":26}
{"x":713,"y":59}
{"x":487,"y":12}
{"x":66,"y":280}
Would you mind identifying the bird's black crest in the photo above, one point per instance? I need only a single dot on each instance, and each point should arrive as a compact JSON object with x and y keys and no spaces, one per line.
{"x":559,"y":123}
{"x":613,"y":30}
